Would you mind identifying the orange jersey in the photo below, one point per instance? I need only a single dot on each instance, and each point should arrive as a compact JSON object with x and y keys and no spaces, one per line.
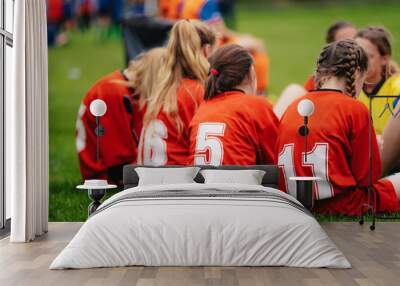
{"x":161,"y":143}
{"x":261,"y":66}
{"x":337,"y":147}
{"x":352,"y":202}
{"x":203,"y":10}
{"x":191,"y":9}
{"x":118,"y":145}
{"x":170,"y":9}
{"x":309,"y":85}
{"x":233,"y":128}
{"x":55,"y":11}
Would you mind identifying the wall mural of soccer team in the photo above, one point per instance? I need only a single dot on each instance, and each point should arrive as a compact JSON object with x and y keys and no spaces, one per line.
{"x":198,"y":100}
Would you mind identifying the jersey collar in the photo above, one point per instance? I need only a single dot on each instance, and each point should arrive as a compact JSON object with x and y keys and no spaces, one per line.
{"x":131,"y":90}
{"x":227,"y":94}
{"x":123,"y":74}
{"x":327,"y":89}
{"x":375,"y":89}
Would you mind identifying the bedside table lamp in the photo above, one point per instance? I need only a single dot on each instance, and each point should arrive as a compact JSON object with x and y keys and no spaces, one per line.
{"x":98,"y":108}
{"x":304,"y":184}
{"x":305,"y":108}
{"x":96,"y":188}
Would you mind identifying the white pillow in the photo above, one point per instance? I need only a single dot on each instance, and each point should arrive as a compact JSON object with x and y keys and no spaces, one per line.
{"x":248,"y":177}
{"x":166,"y":176}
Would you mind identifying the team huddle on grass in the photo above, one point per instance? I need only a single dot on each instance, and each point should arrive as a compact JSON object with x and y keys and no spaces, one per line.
{"x":196,"y":102}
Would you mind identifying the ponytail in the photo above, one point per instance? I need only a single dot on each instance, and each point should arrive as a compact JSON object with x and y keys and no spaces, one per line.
{"x":144,"y":71}
{"x":229,"y":66}
{"x":184,"y":59}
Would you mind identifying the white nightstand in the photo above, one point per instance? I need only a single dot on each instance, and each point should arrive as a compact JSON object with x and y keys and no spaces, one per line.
{"x":96,"y":191}
{"x":304,"y":190}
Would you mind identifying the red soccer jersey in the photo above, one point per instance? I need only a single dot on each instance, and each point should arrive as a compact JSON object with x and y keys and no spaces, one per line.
{"x":161,"y":143}
{"x":55,"y":11}
{"x":233,"y":128}
{"x":309,"y":85}
{"x":337,"y":148}
{"x":170,"y":9}
{"x":122,"y":124}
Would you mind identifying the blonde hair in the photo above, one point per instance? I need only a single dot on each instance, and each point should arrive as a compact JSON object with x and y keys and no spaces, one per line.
{"x":184,"y":59}
{"x":144,"y":73}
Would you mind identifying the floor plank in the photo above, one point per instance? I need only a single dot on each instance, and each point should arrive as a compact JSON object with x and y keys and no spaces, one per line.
{"x":375,"y":257}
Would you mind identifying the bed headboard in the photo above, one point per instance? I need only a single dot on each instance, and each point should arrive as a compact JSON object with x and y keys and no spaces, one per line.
{"x":271,"y":177}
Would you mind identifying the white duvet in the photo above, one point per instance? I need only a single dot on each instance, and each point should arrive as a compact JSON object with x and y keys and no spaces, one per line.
{"x":202,"y":231}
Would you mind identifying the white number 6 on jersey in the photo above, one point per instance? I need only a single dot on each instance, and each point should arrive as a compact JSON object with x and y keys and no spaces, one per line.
{"x":207,"y":141}
{"x":153,"y":144}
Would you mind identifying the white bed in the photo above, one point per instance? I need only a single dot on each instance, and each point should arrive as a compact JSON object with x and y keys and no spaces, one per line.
{"x":201,"y":225}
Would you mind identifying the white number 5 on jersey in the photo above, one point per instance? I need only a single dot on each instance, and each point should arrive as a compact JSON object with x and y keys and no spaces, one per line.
{"x":208,"y":143}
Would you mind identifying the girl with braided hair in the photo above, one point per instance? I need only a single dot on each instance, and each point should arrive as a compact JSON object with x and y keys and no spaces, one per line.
{"x":337,"y":152}
{"x":338,"y":31}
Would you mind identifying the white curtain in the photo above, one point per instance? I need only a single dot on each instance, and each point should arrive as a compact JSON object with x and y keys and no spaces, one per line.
{"x":27,"y":124}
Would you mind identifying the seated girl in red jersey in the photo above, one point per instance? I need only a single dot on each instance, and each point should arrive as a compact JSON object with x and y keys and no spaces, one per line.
{"x":124,"y":92}
{"x":338,"y":31}
{"x":165,"y":136}
{"x":233,"y":126}
{"x":338,"y":150}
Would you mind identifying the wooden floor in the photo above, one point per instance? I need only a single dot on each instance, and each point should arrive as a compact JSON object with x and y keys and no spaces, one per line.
{"x":375,"y":257}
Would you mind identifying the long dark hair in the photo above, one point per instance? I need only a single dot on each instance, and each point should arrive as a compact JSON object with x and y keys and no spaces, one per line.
{"x":334,"y":28}
{"x":229,"y":65}
{"x":342,"y":59}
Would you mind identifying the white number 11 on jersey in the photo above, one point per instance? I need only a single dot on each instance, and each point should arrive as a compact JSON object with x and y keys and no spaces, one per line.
{"x":317,"y":159}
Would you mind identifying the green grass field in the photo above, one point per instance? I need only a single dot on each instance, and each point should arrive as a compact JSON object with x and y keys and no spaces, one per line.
{"x":294,"y":36}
